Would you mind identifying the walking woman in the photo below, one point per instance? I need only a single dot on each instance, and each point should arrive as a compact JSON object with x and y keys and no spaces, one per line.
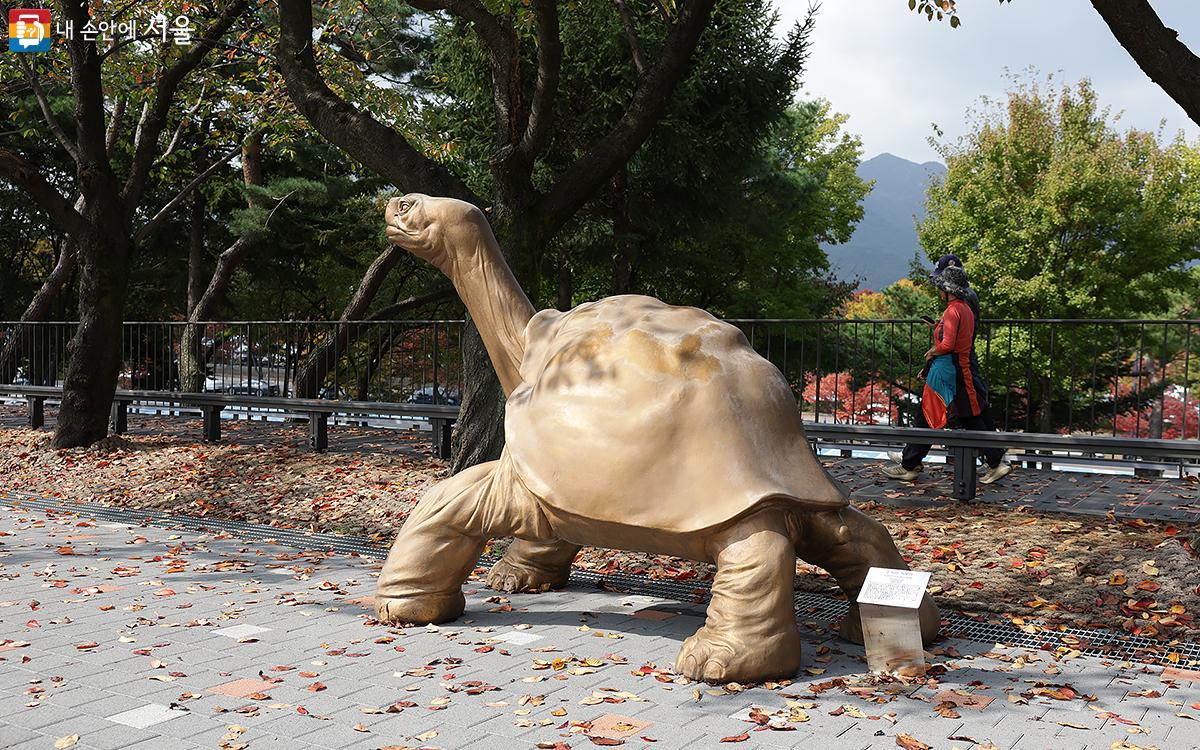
{"x":953,"y":349}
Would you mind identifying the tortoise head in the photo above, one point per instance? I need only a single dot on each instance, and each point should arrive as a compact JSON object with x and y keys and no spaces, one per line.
{"x":442,"y":231}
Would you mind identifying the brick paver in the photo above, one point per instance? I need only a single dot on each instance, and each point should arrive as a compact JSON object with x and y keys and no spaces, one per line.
{"x":144,"y":637}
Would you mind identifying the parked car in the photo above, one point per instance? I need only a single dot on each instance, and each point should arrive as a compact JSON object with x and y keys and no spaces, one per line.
{"x":253,"y":388}
{"x":427,"y":394}
{"x":333,"y":394}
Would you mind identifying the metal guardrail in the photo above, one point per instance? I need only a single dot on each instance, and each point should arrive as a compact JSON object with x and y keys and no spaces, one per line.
{"x":1121,"y":377}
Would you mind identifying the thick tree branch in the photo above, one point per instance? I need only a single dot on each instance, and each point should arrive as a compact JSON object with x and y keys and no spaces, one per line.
{"x":500,"y":40}
{"x":48,"y":113}
{"x":364,"y":138}
{"x":601,"y":161}
{"x":28,"y":178}
{"x":1156,"y":49}
{"x":631,"y":36}
{"x":389,"y":311}
{"x":164,"y":99}
{"x":114,"y":127}
{"x":156,"y":221}
{"x":545,"y":89}
{"x":94,"y":171}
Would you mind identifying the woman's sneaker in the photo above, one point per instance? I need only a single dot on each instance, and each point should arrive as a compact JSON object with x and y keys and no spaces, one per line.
{"x":899,"y":472}
{"x":996,"y":473}
{"x":897,"y":457}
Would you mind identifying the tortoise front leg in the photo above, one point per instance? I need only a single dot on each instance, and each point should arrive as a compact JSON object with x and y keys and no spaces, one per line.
{"x":848,"y":543}
{"x":440,"y":542}
{"x":750,"y":633}
{"x":529,"y":565}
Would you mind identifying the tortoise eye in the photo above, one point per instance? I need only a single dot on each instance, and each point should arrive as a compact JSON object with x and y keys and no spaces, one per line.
{"x":404,"y":206}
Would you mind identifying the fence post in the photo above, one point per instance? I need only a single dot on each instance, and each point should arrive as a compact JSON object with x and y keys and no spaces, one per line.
{"x":441,"y":437}
{"x":120,"y":416}
{"x":212,"y":422}
{"x":964,"y":472}
{"x":37,"y":411}
{"x":318,"y":431}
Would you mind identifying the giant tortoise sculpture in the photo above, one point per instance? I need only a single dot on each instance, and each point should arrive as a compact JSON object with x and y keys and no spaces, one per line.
{"x":636,"y":425}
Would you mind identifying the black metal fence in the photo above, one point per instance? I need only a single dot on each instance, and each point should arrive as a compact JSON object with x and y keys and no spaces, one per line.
{"x":1119,"y":377}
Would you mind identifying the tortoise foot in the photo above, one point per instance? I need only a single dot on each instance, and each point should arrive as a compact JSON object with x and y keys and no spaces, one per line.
{"x":515,"y":573}
{"x":714,"y":657}
{"x":419,"y":609}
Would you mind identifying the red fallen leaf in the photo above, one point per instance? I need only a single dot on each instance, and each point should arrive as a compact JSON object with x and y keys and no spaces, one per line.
{"x":308,"y":675}
{"x":66,"y":549}
{"x":608,"y":741}
{"x":86,"y":646}
{"x":737,"y":737}
{"x":758,"y":717}
{"x":399,"y":706}
{"x":33,"y":624}
{"x":648,"y":739}
{"x":1148,"y":585}
{"x":316,"y":687}
{"x":908,"y":742}
{"x":282,"y":669}
{"x":164,"y":592}
{"x":302,"y":710}
{"x":484,"y":649}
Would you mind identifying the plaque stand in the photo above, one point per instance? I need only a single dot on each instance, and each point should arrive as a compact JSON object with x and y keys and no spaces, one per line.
{"x":887,"y":605}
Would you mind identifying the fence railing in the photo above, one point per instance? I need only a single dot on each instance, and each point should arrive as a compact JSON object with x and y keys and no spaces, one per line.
{"x":1120,"y":377}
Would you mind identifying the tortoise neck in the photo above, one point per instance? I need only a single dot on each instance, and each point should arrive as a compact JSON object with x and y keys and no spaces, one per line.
{"x":496,"y":303}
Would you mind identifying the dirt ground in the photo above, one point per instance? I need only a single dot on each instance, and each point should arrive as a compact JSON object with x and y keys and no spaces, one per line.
{"x":1035,"y":570}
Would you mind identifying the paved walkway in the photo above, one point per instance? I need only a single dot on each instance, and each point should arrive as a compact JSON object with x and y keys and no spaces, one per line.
{"x":115,"y":636}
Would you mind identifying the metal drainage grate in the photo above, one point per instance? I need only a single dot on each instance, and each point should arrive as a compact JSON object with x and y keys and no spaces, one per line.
{"x":809,"y":606}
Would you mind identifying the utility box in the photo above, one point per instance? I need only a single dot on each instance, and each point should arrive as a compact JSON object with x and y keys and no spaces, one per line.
{"x":888,"y":603}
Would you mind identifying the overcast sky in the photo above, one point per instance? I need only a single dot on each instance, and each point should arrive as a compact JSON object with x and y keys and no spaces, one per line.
{"x":894,"y":73}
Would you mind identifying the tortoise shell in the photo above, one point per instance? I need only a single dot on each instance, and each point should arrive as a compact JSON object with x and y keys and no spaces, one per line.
{"x":636,"y":412}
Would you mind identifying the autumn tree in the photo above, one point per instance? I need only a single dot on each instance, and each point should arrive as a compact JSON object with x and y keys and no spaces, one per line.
{"x":1056,"y":214}
{"x":526,"y":212}
{"x":124,"y":98}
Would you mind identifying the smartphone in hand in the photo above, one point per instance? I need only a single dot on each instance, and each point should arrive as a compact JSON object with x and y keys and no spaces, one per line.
{"x":928,"y":321}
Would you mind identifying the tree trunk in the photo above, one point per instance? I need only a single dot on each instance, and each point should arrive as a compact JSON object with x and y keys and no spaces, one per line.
{"x":325,"y":356}
{"x":566,"y":290}
{"x":25,"y":336}
{"x":94,"y":354}
{"x":1046,"y":416}
{"x":191,"y":352}
{"x":1155,"y":425}
{"x":202,"y":299}
{"x":626,"y":246}
{"x":479,"y":432}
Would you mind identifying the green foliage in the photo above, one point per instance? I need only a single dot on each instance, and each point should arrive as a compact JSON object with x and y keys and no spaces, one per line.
{"x":1056,"y":214}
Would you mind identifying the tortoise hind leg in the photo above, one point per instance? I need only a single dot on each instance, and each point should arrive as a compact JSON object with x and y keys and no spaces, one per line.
{"x":750,"y":632}
{"x":533,"y":565}
{"x":438,"y":546}
{"x":848,"y":543}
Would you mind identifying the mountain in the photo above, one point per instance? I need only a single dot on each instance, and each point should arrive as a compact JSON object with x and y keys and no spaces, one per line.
{"x":886,"y":238}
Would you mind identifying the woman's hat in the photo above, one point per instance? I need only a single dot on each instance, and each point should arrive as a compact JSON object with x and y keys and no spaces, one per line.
{"x":952,"y":280}
{"x":944,"y":262}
